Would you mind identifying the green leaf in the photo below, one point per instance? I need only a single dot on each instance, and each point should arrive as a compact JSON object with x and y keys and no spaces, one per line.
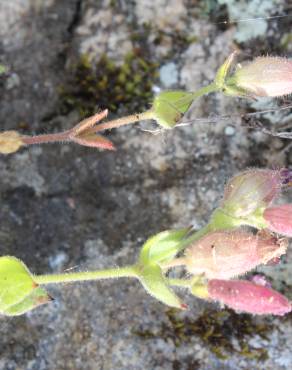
{"x":36,"y":298}
{"x":18,"y":291}
{"x":162,"y":247}
{"x":15,"y":282}
{"x":170,"y":106}
{"x":156,"y":285}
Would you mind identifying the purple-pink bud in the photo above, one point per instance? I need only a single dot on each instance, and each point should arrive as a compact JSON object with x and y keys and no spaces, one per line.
{"x":260,"y":280}
{"x":245,"y":296}
{"x":279,"y":219}
{"x":250,"y":190}
{"x":286,"y":174}
{"x":265,"y":76}
{"x":226,"y":254}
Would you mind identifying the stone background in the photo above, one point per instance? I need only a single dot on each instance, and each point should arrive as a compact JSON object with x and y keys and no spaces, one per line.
{"x":70,"y":207}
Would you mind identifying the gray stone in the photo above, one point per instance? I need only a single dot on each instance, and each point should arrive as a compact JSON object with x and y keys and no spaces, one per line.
{"x":75,"y":208}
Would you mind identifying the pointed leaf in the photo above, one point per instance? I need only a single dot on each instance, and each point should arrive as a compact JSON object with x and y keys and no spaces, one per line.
{"x":36,"y":298}
{"x":162,"y":247}
{"x":15,"y":282}
{"x":170,"y":106}
{"x":18,"y":291}
{"x":155,"y":284}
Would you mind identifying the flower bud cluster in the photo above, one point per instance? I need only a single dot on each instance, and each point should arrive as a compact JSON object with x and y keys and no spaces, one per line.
{"x":228,"y":250}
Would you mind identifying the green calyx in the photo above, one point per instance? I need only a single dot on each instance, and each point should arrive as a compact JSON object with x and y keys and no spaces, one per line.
{"x":198,"y":287}
{"x":222,"y":219}
{"x":225,"y":83}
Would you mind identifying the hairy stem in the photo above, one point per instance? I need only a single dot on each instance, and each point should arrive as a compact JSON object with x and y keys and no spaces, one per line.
{"x":112,"y":273}
{"x":205,"y":90}
{"x":47,"y":138}
{"x":122,"y":121}
{"x":183,"y":283}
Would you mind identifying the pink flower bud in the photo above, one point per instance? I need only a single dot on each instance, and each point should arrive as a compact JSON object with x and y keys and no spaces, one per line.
{"x":226,"y":254}
{"x":245,"y":296}
{"x":250,"y":190}
{"x":279,"y":219}
{"x":265,"y":76}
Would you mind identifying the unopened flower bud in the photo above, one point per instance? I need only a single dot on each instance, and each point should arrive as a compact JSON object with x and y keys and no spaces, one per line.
{"x":250,"y":190}
{"x":226,"y":254}
{"x":279,"y":219}
{"x":265,"y":76}
{"x":10,"y":142}
{"x":247,"y":297}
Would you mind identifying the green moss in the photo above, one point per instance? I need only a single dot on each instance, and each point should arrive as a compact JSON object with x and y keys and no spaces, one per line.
{"x":217,"y":330}
{"x":180,"y":40}
{"x":108,"y":85}
{"x":3,"y":69}
{"x":286,"y":40}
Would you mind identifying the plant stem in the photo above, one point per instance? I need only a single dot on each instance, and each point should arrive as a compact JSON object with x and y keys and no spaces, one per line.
{"x":205,"y":90}
{"x":47,"y":138}
{"x":122,"y":121}
{"x":183,"y":283}
{"x":112,"y":273}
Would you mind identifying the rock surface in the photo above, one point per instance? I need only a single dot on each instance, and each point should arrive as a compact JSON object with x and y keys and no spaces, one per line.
{"x":69,"y":207}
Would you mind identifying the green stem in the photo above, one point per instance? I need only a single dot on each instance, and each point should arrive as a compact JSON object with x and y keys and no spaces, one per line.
{"x":46,"y":138}
{"x":112,"y":273}
{"x":183,"y":283}
{"x":205,"y":90}
{"x":149,"y":114}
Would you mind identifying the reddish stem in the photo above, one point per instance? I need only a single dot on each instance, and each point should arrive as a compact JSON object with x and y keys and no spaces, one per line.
{"x":47,"y":138}
{"x":122,"y":121}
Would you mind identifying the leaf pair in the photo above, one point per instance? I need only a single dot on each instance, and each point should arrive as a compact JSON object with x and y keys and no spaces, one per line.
{"x":158,"y":249}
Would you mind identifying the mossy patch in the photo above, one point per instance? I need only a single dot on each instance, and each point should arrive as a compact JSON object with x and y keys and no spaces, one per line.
{"x":224,"y":332}
{"x":109,"y":85}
